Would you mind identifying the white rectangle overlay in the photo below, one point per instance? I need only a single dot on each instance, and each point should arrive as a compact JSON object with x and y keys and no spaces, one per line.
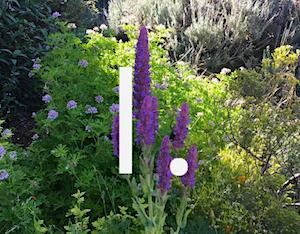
{"x":125,"y":111}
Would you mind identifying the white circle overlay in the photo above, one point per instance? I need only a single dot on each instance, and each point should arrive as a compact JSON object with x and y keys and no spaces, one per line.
{"x":179,"y":167}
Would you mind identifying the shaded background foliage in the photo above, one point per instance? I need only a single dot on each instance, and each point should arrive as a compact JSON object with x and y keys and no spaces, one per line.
{"x":24,"y":27}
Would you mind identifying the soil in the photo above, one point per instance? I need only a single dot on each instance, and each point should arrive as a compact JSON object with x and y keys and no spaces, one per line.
{"x":23,"y":130}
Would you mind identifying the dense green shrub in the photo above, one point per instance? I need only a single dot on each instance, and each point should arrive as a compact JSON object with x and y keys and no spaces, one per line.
{"x":24,"y":28}
{"x":76,"y":147}
{"x":215,"y":34}
{"x":270,"y":102}
{"x":17,"y":189}
{"x":237,"y":199}
{"x":265,"y":136}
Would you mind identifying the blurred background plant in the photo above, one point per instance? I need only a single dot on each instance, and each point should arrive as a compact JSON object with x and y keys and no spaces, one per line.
{"x":83,"y":13}
{"x":212,"y":34}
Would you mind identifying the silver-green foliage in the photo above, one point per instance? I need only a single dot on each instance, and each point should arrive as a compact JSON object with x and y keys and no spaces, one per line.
{"x":214,"y":33}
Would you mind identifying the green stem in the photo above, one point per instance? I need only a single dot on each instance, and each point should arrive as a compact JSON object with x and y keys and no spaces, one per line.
{"x":180,"y":214}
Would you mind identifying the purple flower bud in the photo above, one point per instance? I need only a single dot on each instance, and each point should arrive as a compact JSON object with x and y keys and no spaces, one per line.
{"x":36,"y":66}
{"x":52,"y":115}
{"x":188,"y":180}
{"x":3,"y":175}
{"x":13,"y":154}
{"x":157,"y":85}
{"x":116,"y":89}
{"x":6,"y":133}
{"x":88,"y":128}
{"x":55,"y":14}
{"x":2,"y":151}
{"x":199,"y":100}
{"x":91,"y":110}
{"x":71,"y":105}
{"x":163,"y":166}
{"x":163,"y":86}
{"x":35,"y":137}
{"x":142,"y":80}
{"x":83,"y":63}
{"x":115,"y":135}
{"x":47,"y":98}
{"x":181,"y":131}
{"x":99,"y":99}
{"x":147,"y":125}
{"x":106,"y":138}
{"x":33,"y":114}
{"x":114,"y":108}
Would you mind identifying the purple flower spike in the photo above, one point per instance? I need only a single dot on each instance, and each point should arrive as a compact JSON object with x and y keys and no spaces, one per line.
{"x":47,"y":98}
{"x":188,"y":180}
{"x":71,"y":105}
{"x":3,"y":175}
{"x":52,"y":115}
{"x":115,"y":135}
{"x":114,"y":108}
{"x":181,"y":131}
{"x":163,"y":166}
{"x":147,"y":125}
{"x":142,"y":80}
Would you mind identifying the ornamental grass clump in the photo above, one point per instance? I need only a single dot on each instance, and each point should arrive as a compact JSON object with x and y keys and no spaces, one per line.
{"x":150,"y":201}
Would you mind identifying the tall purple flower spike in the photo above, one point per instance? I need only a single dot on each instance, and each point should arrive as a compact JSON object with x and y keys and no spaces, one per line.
{"x":189,"y":180}
{"x":181,"y":130}
{"x":142,"y":79}
{"x":115,"y":135}
{"x":163,"y":167}
{"x":147,"y":125}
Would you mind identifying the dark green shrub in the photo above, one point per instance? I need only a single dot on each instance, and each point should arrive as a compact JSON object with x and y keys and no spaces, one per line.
{"x":24,"y":28}
{"x":83,"y":13}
